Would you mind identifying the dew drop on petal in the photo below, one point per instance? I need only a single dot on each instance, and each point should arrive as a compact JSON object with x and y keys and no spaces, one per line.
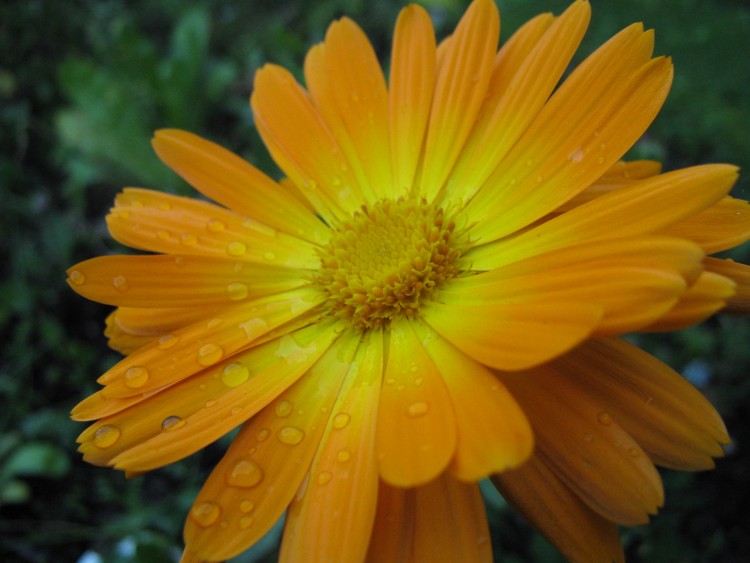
{"x":77,"y":278}
{"x":244,"y":474}
{"x":341,"y":420}
{"x":270,"y":256}
{"x":417,"y":409}
{"x":167,"y":341}
{"x":237,"y":291}
{"x":576,"y":155}
{"x":205,"y":513}
{"x":172,"y":423}
{"x":209,"y":354}
{"x":604,"y":418}
{"x":246,"y":522}
{"x":235,"y":374}
{"x":247,"y":505}
{"x":290,"y":435}
{"x":213,"y":323}
{"x":343,"y":455}
{"x":120,"y":283}
{"x":236,"y":410}
{"x":215,"y":226}
{"x":236,"y":248}
{"x":188,"y":239}
{"x":136,"y":376}
{"x":324,"y":477}
{"x":284,"y":409}
{"x":162,"y":234}
{"x":210,"y":403}
{"x":105,"y":436}
{"x":263,"y":434}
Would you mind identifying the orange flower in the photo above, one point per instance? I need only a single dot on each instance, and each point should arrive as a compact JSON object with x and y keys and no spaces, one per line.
{"x":433,"y":296}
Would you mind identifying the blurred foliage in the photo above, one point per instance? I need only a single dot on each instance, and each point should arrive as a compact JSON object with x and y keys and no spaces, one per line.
{"x":83,"y":84}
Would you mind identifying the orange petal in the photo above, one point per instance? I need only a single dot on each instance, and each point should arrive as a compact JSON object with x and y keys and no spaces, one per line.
{"x":235,"y":183}
{"x":416,"y":435}
{"x":667,"y":416}
{"x":178,"y":281}
{"x":669,"y":198}
{"x":185,"y":417}
{"x":706,"y":296}
{"x":256,"y":480}
{"x":586,"y":447}
{"x":459,"y":91}
{"x":580,"y":534}
{"x":348,"y":88}
{"x":160,"y":222}
{"x":516,"y":103}
{"x":740,"y":275}
{"x":412,"y":82}
{"x":331,"y":517}
{"x":302,"y":144}
{"x":718,"y":228}
{"x":493,"y":433}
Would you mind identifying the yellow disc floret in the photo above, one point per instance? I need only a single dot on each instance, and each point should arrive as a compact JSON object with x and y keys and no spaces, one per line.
{"x":387,"y":260}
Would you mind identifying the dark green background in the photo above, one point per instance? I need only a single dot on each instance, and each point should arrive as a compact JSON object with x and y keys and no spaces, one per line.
{"x":82,"y":86}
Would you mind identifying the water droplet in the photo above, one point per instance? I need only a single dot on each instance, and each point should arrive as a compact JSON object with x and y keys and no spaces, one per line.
{"x":390,"y":381}
{"x":343,"y":456}
{"x":162,"y":234}
{"x":164,"y":206}
{"x":235,"y":374}
{"x":236,"y":248}
{"x":270,"y":256}
{"x":120,"y":283}
{"x":324,"y":477}
{"x":290,"y":435}
{"x":136,"y":376}
{"x":237,"y":291}
{"x":310,"y":184}
{"x":604,"y":418}
{"x":263,"y":434}
{"x":336,"y":181}
{"x":588,"y":437}
{"x":418,"y":381}
{"x":172,"y":423}
{"x":417,"y":409}
{"x":210,"y":403}
{"x":188,"y":239}
{"x":247,"y":505}
{"x":209,"y":354}
{"x":254,"y":328}
{"x":213,"y":323}
{"x":246,"y":522}
{"x":106,"y":435}
{"x":167,"y":341}
{"x":341,"y":420}
{"x":77,"y":277}
{"x":576,"y":155}
{"x":236,"y":410}
{"x":215,"y":226}
{"x":600,"y":159}
{"x":244,"y":474}
{"x":205,"y":513}
{"x":284,"y":409}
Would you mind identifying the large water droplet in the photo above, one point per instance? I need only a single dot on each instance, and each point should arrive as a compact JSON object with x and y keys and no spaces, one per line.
{"x":172,"y":423}
{"x":209,"y":354}
{"x":237,"y":291}
{"x":244,"y":474}
{"x":284,"y":409}
{"x":417,"y":409}
{"x":105,"y":436}
{"x":77,"y":278}
{"x":120,"y":283}
{"x":136,"y":376}
{"x":290,"y":435}
{"x":205,"y":513}
{"x":341,"y":420}
{"x":235,"y":374}
{"x":236,"y":248}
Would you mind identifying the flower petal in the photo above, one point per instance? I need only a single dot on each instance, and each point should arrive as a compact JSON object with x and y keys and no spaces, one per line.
{"x":669,"y":418}
{"x":235,"y":183}
{"x":740,"y":275}
{"x":276,"y":446}
{"x":416,"y":435}
{"x":669,"y":198}
{"x":339,"y":494}
{"x":348,"y":88}
{"x":185,"y":417}
{"x":718,"y":228}
{"x":493,"y":433}
{"x":169,"y":224}
{"x":586,"y":447}
{"x":505,"y":115}
{"x":459,"y":91}
{"x":580,"y":534}
{"x":193,"y":281}
{"x":412,"y":82}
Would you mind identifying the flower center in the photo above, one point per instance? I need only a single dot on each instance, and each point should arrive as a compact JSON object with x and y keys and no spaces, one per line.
{"x":388,"y":260}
